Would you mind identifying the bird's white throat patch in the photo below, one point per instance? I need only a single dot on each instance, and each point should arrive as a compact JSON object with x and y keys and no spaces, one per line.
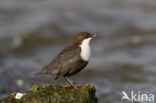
{"x":85,"y":49}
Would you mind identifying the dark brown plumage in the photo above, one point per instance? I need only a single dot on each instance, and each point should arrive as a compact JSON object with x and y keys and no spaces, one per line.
{"x":69,"y":61}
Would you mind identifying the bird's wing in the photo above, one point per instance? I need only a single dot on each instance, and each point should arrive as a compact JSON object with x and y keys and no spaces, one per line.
{"x":64,"y":60}
{"x":70,"y":59}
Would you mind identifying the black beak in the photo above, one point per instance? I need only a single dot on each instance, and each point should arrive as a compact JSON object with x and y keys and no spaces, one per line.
{"x":95,"y":36}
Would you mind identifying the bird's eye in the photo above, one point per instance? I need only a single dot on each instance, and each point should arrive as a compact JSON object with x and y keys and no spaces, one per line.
{"x":86,"y":36}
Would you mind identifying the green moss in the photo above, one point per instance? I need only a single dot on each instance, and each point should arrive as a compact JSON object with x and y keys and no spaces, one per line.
{"x":53,"y":93}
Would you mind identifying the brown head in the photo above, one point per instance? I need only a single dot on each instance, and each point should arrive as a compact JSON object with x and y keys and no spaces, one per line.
{"x":78,"y":39}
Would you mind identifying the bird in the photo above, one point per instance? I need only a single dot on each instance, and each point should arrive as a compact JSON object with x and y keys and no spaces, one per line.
{"x":72,"y":59}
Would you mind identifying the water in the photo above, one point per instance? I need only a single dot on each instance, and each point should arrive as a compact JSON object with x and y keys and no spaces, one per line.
{"x":123,"y":57}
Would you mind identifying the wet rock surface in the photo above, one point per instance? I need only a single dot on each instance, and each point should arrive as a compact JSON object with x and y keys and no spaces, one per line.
{"x":54,"y":94}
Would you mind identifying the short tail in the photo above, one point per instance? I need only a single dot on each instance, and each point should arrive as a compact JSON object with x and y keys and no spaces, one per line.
{"x":36,"y":74}
{"x":43,"y":71}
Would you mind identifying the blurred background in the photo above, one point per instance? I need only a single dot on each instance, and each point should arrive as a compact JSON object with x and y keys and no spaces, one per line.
{"x":32,"y":32}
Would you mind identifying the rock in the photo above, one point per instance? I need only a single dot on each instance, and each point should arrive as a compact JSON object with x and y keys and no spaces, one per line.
{"x":53,"y":93}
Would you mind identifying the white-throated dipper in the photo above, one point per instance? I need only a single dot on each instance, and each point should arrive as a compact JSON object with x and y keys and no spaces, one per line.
{"x":72,"y":59}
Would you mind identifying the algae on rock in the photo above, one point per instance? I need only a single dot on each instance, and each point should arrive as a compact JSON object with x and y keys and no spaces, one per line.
{"x":52,"y":93}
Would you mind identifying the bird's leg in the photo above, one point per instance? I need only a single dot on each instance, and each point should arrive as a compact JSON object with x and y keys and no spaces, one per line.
{"x":73,"y":81}
{"x":70,"y":81}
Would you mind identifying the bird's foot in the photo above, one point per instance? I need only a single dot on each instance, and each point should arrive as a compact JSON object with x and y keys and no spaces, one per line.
{"x":73,"y":85}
